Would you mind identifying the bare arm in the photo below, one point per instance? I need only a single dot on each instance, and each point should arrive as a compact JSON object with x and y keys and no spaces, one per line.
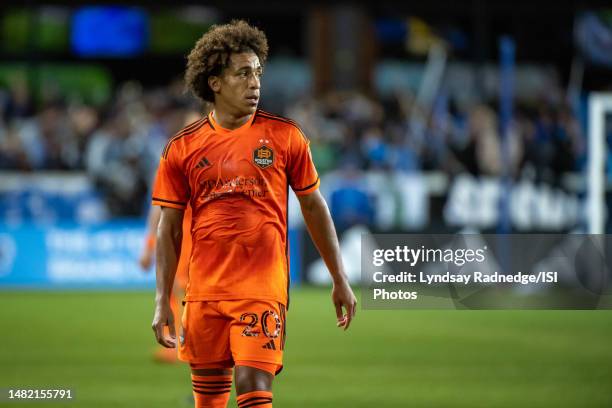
{"x":146,"y":258}
{"x":321,"y":228}
{"x":168,"y":248}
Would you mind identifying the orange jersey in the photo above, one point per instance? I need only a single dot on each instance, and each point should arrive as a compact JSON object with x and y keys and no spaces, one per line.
{"x":237,"y":184}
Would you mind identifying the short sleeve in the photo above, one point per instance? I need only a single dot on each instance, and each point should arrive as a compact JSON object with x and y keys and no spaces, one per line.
{"x":171,"y":188}
{"x":301,"y":171}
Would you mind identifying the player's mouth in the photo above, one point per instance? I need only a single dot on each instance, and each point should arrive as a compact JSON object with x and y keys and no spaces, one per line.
{"x":252,"y":100}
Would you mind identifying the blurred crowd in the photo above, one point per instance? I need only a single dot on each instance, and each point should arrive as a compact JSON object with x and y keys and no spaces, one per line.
{"x":349,"y":130}
{"x":118,"y":145}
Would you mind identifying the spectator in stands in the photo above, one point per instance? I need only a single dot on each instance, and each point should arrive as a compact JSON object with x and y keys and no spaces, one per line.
{"x":83,"y":121}
{"x":12,"y":154}
{"x":553,"y":143}
{"x":114,"y":163}
{"x":48,"y":141}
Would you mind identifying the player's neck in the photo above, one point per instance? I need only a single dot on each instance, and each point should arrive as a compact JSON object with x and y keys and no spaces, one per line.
{"x":229,"y":121}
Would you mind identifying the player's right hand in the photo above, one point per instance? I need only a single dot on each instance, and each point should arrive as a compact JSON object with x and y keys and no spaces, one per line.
{"x":164,"y":318}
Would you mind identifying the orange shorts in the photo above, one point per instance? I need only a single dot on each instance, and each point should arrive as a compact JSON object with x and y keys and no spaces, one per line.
{"x":225,"y":333}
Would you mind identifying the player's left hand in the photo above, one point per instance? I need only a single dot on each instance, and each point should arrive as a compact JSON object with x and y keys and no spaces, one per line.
{"x":343,"y":297}
{"x":146,"y":260}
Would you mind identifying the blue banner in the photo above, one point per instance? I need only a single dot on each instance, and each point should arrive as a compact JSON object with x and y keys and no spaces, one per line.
{"x":70,"y":255}
{"x":67,"y":256}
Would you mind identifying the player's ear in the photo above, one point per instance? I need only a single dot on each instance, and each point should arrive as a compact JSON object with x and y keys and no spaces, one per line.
{"x":214,"y":82}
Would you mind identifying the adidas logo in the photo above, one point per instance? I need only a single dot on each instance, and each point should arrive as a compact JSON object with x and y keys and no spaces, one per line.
{"x":203,"y":163}
{"x":269,"y":345}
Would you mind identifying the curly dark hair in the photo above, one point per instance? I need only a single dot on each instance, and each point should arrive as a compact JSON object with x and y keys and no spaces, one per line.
{"x":212,"y":52}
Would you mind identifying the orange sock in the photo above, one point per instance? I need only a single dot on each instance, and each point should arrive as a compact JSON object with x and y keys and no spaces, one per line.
{"x":259,"y":399}
{"x":211,"y":391}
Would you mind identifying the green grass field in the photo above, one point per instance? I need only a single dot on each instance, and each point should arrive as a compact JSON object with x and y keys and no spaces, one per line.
{"x":100,"y":345}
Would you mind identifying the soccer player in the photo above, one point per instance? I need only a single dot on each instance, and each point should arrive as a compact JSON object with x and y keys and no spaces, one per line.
{"x":234,"y":168}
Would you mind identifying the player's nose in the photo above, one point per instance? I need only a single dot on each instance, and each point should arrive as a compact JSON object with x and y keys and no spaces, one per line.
{"x":254,"y":82}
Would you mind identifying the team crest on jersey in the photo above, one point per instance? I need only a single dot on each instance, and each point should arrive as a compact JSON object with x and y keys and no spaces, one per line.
{"x":263,"y":156}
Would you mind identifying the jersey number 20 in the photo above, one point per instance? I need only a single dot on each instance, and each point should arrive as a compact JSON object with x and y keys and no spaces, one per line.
{"x":248,"y":330}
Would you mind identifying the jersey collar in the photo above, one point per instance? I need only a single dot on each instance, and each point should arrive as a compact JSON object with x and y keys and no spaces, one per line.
{"x":219,"y":129}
